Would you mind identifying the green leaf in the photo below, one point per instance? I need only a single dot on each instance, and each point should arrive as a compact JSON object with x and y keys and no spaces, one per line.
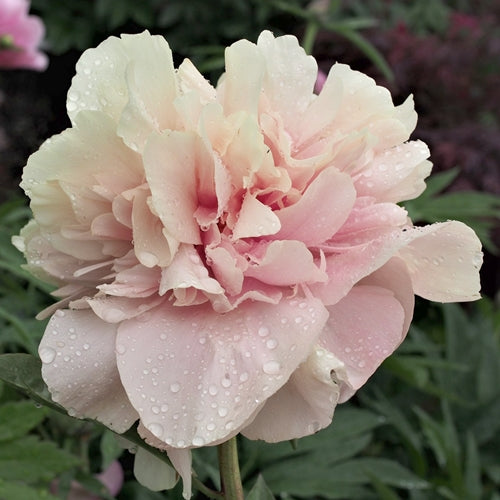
{"x":260,"y":491}
{"x":23,"y":371}
{"x":17,"y":418}
{"x":472,"y":473}
{"x":19,"y":491}
{"x":110,"y":448}
{"x":29,"y":459}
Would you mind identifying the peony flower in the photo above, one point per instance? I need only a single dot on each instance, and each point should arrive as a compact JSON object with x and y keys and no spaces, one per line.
{"x":20,"y":35}
{"x":229,"y":259}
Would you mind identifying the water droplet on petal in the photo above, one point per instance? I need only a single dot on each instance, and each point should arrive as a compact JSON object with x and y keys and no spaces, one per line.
{"x":198,"y":441}
{"x":272,"y":344}
{"x":263,"y":331}
{"x":271,"y":367}
{"x":121,"y":349}
{"x":222,"y":411}
{"x":175,"y":387}
{"x":47,"y":354}
{"x":155,"y":429}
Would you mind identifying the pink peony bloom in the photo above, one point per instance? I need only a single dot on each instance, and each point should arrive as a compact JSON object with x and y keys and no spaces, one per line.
{"x":20,"y":35}
{"x":229,"y":259}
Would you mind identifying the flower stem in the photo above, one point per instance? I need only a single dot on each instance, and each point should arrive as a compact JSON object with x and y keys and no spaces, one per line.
{"x":229,"y":468}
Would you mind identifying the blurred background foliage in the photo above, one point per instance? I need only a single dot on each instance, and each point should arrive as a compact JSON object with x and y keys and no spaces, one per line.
{"x":427,"y":425}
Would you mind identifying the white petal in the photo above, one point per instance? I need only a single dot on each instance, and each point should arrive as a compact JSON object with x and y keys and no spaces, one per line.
{"x":152,"y":472}
{"x":79,"y":366}
{"x":304,"y":405}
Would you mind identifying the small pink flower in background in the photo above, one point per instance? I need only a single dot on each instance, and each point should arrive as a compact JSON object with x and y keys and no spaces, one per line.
{"x":111,"y":478}
{"x":320,"y":81}
{"x":20,"y":36}
{"x":229,"y":259}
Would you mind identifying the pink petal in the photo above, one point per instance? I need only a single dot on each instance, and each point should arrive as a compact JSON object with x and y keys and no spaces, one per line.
{"x":286,"y":263}
{"x":195,"y":375}
{"x":187,"y":270}
{"x":444,"y":262}
{"x":225,"y":266}
{"x":255,"y":219}
{"x":151,"y":246}
{"x":116,"y":309}
{"x":171,"y":161}
{"x":321,"y":211}
{"x":396,"y":175}
{"x":304,"y":405}
{"x":79,"y":367}
{"x":363,"y":329}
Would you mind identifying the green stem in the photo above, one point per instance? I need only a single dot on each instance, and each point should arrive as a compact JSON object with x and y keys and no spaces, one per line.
{"x":206,"y":490}
{"x":310,"y":36}
{"x":229,"y":468}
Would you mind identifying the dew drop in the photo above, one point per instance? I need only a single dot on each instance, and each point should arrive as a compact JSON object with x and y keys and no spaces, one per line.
{"x":121,"y":349}
{"x":175,"y":387}
{"x":198,"y":441}
{"x":244,"y":377}
{"x":226,"y":382}
{"x":263,"y":331}
{"x":272,"y":344}
{"x":222,"y":411}
{"x":155,"y":429}
{"x":155,"y":410}
{"x":212,"y":390}
{"x":271,"y":367}
{"x":210,"y":426}
{"x":47,"y":355}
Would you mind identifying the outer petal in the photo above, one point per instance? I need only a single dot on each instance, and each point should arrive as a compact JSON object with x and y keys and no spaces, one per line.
{"x":363,"y":329}
{"x":195,"y":375}
{"x":181,"y":458}
{"x":152,"y":89}
{"x":245,"y":69}
{"x":152,"y":472}
{"x":396,"y":175}
{"x":452,"y":245}
{"x":304,"y":405}
{"x":103,"y":71}
{"x":444,"y":263}
{"x":290,"y":75}
{"x":79,"y":367}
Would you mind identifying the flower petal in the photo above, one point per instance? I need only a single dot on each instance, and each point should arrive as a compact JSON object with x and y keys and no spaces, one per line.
{"x":152,"y":89}
{"x":255,"y":219}
{"x":363,"y":329}
{"x":285,"y":263}
{"x":396,"y":175}
{"x":290,"y":75}
{"x":152,"y":472}
{"x":304,"y":405}
{"x":444,"y":263}
{"x":171,"y":160}
{"x":195,"y":375}
{"x":321,"y":210}
{"x":79,"y":366}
